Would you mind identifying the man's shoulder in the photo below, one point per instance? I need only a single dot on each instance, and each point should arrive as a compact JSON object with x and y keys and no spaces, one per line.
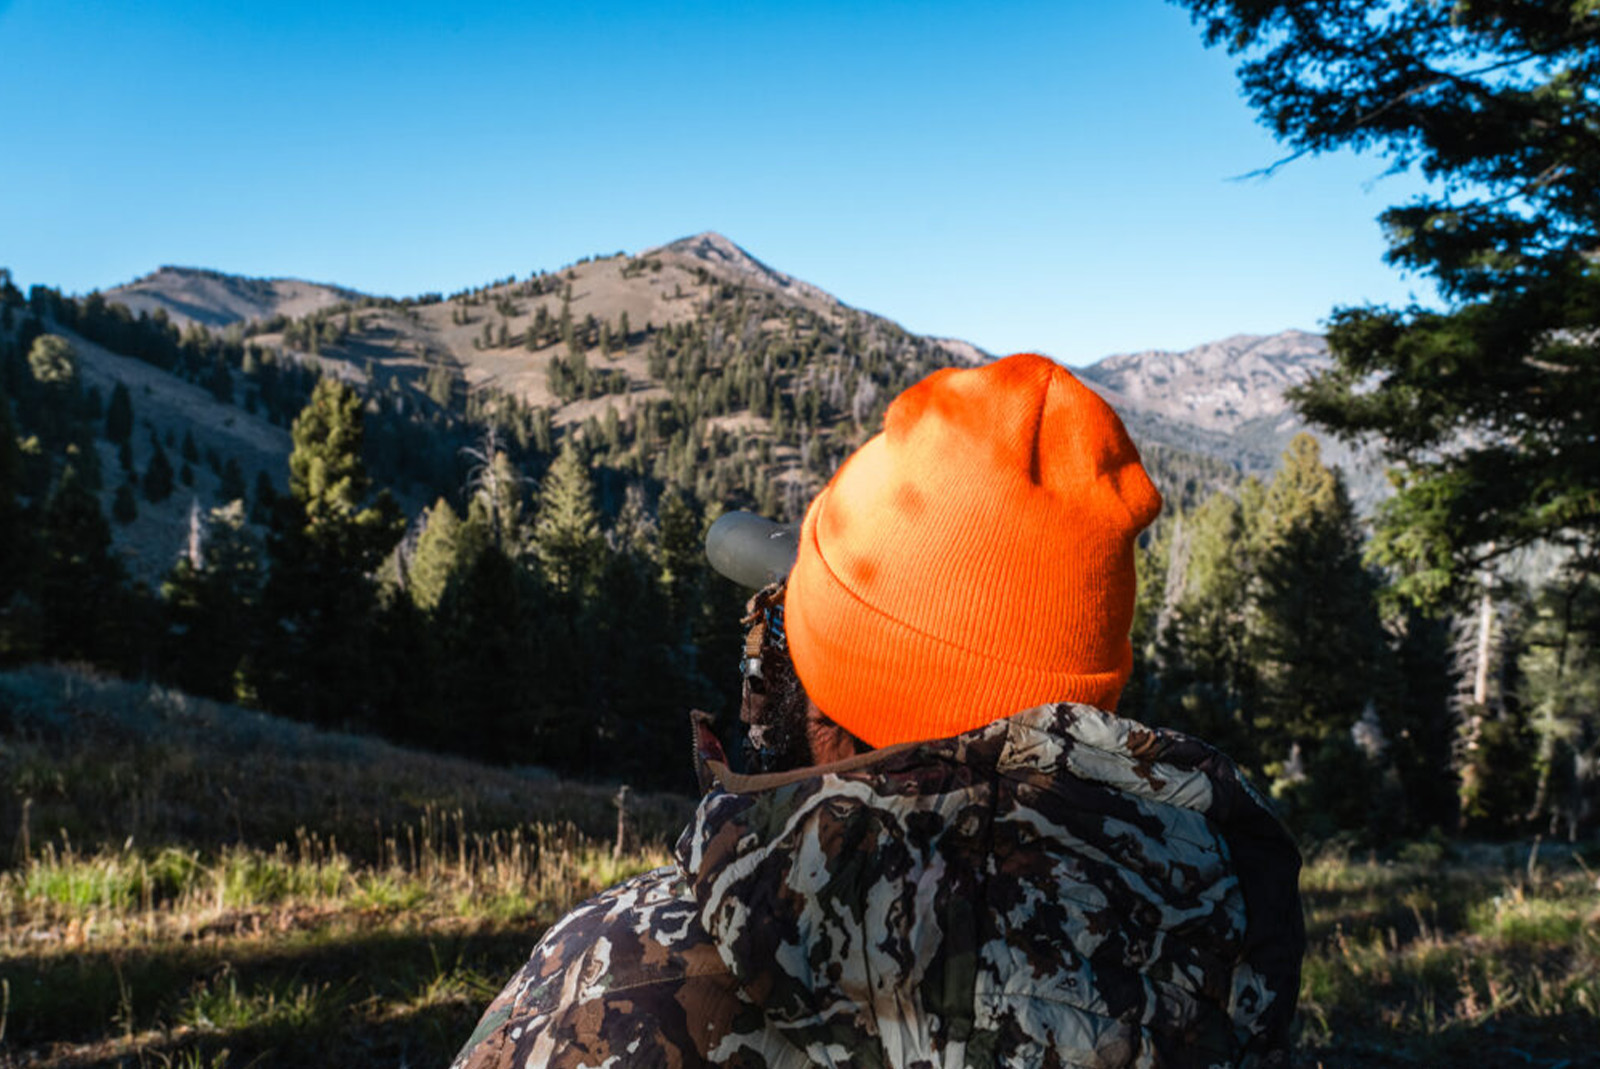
{"x":629,"y":970}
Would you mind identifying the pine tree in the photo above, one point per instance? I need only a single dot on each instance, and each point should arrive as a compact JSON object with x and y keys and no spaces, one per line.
{"x":682,"y":556}
{"x":232,"y":487}
{"x":119,"y":415}
{"x":264,"y":503}
{"x":328,"y":479}
{"x":220,"y":380}
{"x":495,"y":490}
{"x":437,"y":557}
{"x":566,"y":529}
{"x":1560,"y":669}
{"x":210,"y":599}
{"x":326,"y":542}
{"x":1208,"y":685}
{"x":52,"y":361}
{"x":17,"y":545}
{"x":1477,"y":403}
{"x":52,"y":408}
{"x":1316,"y":642}
{"x":79,"y":581}
{"x":158,"y":476}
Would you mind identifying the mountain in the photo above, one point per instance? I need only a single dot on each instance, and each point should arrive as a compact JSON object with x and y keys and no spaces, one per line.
{"x":1220,"y":387}
{"x":1225,"y":399}
{"x":213,"y":299}
{"x":692,"y":363}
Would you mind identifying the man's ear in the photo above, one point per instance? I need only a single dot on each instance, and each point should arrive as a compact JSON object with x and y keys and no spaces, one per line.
{"x":828,"y":741}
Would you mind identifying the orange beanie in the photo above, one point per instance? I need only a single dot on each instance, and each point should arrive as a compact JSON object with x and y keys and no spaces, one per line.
{"x":973,"y":560}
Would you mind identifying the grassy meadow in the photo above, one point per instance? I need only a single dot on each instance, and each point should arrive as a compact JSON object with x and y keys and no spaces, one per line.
{"x":193,"y":885}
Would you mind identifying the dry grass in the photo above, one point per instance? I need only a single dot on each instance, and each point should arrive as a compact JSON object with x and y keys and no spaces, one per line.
{"x":290,"y":956}
{"x":192,"y":884}
{"x":175,"y":922}
{"x":1452,"y":959}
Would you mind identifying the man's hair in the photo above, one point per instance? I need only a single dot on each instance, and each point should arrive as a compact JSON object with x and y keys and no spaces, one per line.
{"x":773,"y":706}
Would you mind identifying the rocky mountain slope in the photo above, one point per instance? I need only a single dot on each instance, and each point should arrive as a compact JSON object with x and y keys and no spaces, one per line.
{"x":1225,"y":399}
{"x":641,"y":325}
{"x":1220,"y":387}
{"x":1222,"y":399}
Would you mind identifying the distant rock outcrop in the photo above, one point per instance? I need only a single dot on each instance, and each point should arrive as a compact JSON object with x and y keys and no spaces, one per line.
{"x":1225,"y":399}
{"x":1220,"y":386}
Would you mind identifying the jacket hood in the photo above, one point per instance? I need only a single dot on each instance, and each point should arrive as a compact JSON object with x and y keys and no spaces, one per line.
{"x":1062,"y":879}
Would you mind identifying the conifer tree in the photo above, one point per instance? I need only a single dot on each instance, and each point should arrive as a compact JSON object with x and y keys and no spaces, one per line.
{"x":232,"y":487}
{"x":119,"y":415}
{"x":158,"y":476}
{"x":1560,"y":669}
{"x":326,"y":542}
{"x":264,"y":501}
{"x":79,"y":581}
{"x":682,"y":556}
{"x":16,"y":535}
{"x":437,"y":557}
{"x":493,"y":661}
{"x":53,"y":367}
{"x":566,"y":529}
{"x":1209,"y":672}
{"x":210,"y":599}
{"x":52,"y":361}
{"x":1317,"y":643}
{"x":495,"y":490}
{"x":1486,"y":405}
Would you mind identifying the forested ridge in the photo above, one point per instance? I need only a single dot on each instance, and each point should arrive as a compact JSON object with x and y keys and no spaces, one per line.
{"x":544,"y":599}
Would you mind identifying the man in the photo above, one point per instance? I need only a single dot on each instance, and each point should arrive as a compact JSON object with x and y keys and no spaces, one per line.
{"x":962,"y":857}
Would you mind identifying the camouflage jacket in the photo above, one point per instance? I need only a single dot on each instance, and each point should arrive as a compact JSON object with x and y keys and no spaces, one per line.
{"x":1060,"y":888}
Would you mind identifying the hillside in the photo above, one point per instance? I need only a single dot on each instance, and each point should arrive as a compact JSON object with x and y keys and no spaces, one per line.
{"x":103,"y":759}
{"x":1225,"y":399}
{"x":169,"y":408}
{"x":214,"y":299}
{"x":653,"y":359}
{"x":483,"y":334}
{"x":1222,"y":399}
{"x":1218,"y":387}
{"x":191,"y":883}
{"x":691,"y":364}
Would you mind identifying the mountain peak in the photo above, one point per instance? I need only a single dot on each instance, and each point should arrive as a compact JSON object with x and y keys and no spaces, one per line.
{"x":718,"y":251}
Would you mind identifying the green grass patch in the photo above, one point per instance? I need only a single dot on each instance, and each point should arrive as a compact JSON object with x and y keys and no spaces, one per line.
{"x":1514,"y":917}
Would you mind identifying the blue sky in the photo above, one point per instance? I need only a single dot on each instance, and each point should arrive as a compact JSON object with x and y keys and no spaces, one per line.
{"x":1047,"y":176}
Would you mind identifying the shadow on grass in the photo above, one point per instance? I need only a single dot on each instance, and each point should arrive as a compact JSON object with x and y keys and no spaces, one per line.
{"x":1562,"y":1041}
{"x":315,"y":997}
